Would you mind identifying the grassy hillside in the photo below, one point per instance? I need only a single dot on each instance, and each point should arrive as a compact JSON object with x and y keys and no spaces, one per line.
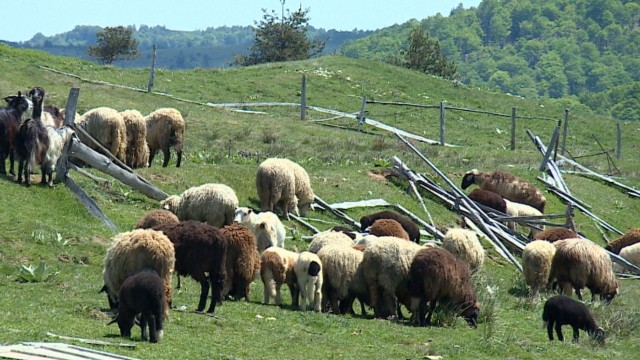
{"x":49,"y":225}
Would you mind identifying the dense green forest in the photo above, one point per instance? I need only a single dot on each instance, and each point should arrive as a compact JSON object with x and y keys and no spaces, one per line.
{"x":212,"y":47}
{"x":585,"y":52}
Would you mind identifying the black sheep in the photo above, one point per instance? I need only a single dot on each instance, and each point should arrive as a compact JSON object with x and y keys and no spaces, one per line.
{"x":200,"y":250}
{"x":563,"y":310}
{"x":142,"y":293}
{"x":10,"y":118}
{"x":409,"y":226}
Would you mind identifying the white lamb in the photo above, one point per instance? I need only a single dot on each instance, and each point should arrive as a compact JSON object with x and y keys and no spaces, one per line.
{"x":266,"y":225}
{"x":308,"y":269}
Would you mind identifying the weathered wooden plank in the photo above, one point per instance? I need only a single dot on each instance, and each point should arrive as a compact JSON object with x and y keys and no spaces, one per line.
{"x":88,"y":202}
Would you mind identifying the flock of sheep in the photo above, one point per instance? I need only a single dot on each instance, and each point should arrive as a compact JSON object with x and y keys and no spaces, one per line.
{"x":39,"y":138}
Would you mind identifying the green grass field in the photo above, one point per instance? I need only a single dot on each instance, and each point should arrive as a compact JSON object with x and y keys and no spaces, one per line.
{"x":51,"y":226}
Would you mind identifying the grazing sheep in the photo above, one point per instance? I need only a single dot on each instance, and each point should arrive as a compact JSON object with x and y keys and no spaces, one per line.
{"x":489,"y":199}
{"x":631,"y":237}
{"x":367,"y":240}
{"x":630,"y":253}
{"x":137,"y":151}
{"x":283,"y":183}
{"x":201,"y":253}
{"x":107,"y":127}
{"x":32,"y":144}
{"x":354,"y":235}
{"x":555,"y":234}
{"x":214,"y":204}
{"x":266,"y":225}
{"x":388,"y":227}
{"x":343,"y":278}
{"x":580,"y":263}
{"x":10,"y":118}
{"x":142,"y":293}
{"x":165,"y":130}
{"x":325,"y":238}
{"x":276,"y":269}
{"x":135,"y":250}
{"x":409,"y":226}
{"x":308,"y":269}
{"x":243,"y":261}
{"x":386,"y":268}
{"x":436,"y":275}
{"x":155,"y":218}
{"x":464,"y":244}
{"x":515,"y":209}
{"x":507,"y":185}
{"x":536,"y":264}
{"x":563,"y":310}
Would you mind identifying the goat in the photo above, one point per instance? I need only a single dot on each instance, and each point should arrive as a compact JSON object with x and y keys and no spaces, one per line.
{"x":9,"y":123}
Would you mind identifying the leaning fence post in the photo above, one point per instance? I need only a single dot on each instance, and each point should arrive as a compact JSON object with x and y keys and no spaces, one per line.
{"x":152,"y":74}
{"x":361,"y":113}
{"x":442,"y":122}
{"x":513,"y":128}
{"x":618,"y":142}
{"x":303,"y":98}
{"x":564,"y":130}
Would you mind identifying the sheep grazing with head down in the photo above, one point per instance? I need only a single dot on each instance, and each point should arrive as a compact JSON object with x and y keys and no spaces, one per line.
{"x":200,"y":252}
{"x":107,"y":127}
{"x":386,"y":265}
{"x":579,"y":263}
{"x":515,"y":209}
{"x":214,"y":204}
{"x":283,"y":183}
{"x":536,"y":264}
{"x":343,"y":278}
{"x":409,"y":226}
{"x":10,"y":118}
{"x":326,"y":238}
{"x":435,"y":276}
{"x":508,"y":186}
{"x":155,"y":218}
{"x":464,"y":244}
{"x":276,"y":269}
{"x":266,"y":225}
{"x":388,"y":227}
{"x":165,"y":130}
{"x":308,"y":269}
{"x":563,"y":310}
{"x":135,"y":250}
{"x":137,"y":151}
{"x":489,"y":199}
{"x":243,"y":261}
{"x":632,"y":236}
{"x":555,"y":234}
{"x":142,"y":293}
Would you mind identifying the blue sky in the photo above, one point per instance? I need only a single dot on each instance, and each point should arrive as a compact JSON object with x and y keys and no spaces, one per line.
{"x":51,"y":17}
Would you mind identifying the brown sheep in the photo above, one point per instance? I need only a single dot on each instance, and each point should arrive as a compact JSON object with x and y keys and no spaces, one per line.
{"x":200,"y":249}
{"x":437,"y":275}
{"x":155,"y":218}
{"x":409,"y":226}
{"x":388,"y":227}
{"x":243,"y":260}
{"x":277,"y":268}
{"x":555,"y":234}
{"x":508,"y":186}
{"x":165,"y":130}
{"x":137,"y":152}
{"x":631,"y":237}
{"x":489,"y":199}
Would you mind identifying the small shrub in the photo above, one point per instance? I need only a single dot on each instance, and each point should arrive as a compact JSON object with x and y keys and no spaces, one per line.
{"x":29,"y":273}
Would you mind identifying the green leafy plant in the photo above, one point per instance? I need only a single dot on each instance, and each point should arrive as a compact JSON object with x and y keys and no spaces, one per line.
{"x":29,"y":273}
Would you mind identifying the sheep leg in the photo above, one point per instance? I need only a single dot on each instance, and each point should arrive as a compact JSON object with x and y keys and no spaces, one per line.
{"x":576,"y":333}
{"x":559,"y":331}
{"x":152,"y":154}
{"x":204,"y":291}
{"x":11,"y":169}
{"x":279,"y":294}
{"x":43,"y":171}
{"x":20,"y":169}
{"x":432,"y":306}
{"x":167,"y":156}
{"x":578,"y":294}
{"x":295,"y":295}
{"x":550,"y":329}
{"x":217,"y":284}
{"x":144,"y":321}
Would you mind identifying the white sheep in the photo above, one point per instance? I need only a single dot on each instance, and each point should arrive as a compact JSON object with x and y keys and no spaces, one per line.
{"x":137,"y":152}
{"x":630,"y":253}
{"x":214,"y":204}
{"x":536,"y":264}
{"x":285,"y":183}
{"x":325,"y":238}
{"x":386,"y":265}
{"x":515,"y":209}
{"x":266,"y":225}
{"x":308,"y":269}
{"x":107,"y":127}
{"x":343,"y":278}
{"x":165,"y":130}
{"x":464,"y":244}
{"x":276,"y":269}
{"x":508,"y":186}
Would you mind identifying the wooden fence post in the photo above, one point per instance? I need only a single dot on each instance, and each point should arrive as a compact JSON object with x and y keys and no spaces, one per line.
{"x":152,"y":75}
{"x":442,"y":124}
{"x":513,"y":128}
{"x":303,"y":98}
{"x":361,"y":113}
{"x":618,"y":142}
{"x":564,"y":130}
{"x":547,"y":155}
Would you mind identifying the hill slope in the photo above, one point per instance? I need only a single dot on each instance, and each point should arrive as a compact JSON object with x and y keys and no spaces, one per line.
{"x":49,"y":225}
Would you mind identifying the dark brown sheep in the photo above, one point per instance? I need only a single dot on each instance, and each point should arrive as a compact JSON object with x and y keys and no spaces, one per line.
{"x":409,"y":226}
{"x":437,"y":275}
{"x":629,"y":238}
{"x":489,"y":199}
{"x":243,"y":260}
{"x":155,"y":218}
{"x":555,"y":234}
{"x":200,"y":250}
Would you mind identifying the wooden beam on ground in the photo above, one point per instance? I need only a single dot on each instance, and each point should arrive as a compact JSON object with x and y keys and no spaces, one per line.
{"x":303,"y":222}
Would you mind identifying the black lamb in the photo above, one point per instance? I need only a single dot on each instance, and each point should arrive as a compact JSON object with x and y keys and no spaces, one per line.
{"x":563,"y":310}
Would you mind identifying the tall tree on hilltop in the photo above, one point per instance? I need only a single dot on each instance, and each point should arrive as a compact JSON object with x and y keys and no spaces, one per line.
{"x":423,"y":54}
{"x":281,"y":39}
{"x":114,"y":43}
